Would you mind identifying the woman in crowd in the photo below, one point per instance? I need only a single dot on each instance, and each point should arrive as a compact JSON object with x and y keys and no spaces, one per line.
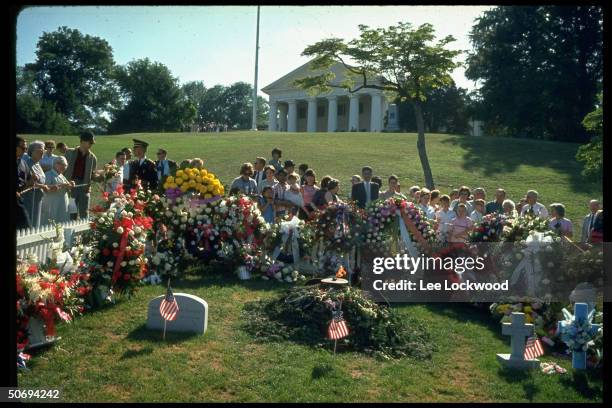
{"x":391,"y":188}
{"x":32,"y":199}
{"x":558,"y":222}
{"x":244,"y":183}
{"x":318,"y":200}
{"x":464,"y":196}
{"x":461,"y":225}
{"x":55,"y":202}
{"x":454,"y":195}
{"x":331,"y":195}
{"x":270,"y":180}
{"x":434,"y":200}
{"x":509,"y":208}
{"x":309,"y":189}
{"x":197,"y":163}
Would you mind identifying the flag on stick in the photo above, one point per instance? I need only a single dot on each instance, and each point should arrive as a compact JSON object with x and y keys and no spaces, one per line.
{"x":168,"y":307}
{"x":533,"y":348}
{"x":337,"y":327}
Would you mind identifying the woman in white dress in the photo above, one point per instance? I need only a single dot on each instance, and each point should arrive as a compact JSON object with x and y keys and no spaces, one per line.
{"x":55,"y":202}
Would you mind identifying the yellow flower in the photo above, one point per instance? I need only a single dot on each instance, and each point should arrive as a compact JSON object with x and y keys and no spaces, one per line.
{"x":185,"y":176}
{"x":207,"y":195}
{"x":184,"y":188}
{"x":173,"y":185}
{"x":198,"y":179}
{"x":192,"y":176}
{"x":191,"y":183}
{"x":169,"y":179}
{"x":179,"y":173}
{"x":179,"y":181}
{"x":527,"y":309}
{"x":203,"y":172}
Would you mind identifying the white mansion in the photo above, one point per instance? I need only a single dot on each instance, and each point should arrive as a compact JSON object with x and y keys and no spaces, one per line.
{"x":293,"y":110}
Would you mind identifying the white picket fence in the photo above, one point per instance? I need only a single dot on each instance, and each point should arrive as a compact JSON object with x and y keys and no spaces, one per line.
{"x":32,"y":240}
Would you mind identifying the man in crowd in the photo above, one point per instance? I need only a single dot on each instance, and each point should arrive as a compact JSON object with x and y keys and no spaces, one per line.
{"x":365,"y":191}
{"x":533,"y":207}
{"x":48,"y":157}
{"x":477,"y":194}
{"x":589,"y":221}
{"x":497,"y":205}
{"x":164,"y":166}
{"x":81,"y":167}
{"x":126,"y":168}
{"x":142,"y":168}
{"x":275,"y":161}
{"x":260,"y":174}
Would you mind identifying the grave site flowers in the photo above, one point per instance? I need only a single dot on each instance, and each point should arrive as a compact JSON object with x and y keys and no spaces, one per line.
{"x":46,"y":294}
{"x":194,"y":180}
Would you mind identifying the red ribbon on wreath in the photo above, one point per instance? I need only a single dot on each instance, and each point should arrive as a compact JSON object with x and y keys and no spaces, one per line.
{"x":120,"y":255}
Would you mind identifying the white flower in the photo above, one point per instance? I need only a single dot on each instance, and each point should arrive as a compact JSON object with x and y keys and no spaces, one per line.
{"x":132,"y":262}
{"x":123,"y":263}
{"x":120,"y":230}
{"x":138,"y":230}
{"x":104,"y":236}
{"x":115,"y":245}
{"x":109,"y":264}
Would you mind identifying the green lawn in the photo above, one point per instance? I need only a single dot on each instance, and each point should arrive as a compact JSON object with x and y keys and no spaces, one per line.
{"x":514,"y":164}
{"x":109,"y":355}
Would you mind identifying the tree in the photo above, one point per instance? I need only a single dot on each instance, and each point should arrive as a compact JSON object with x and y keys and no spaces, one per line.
{"x":151,"y":99}
{"x":446,"y":110}
{"x":591,"y":154}
{"x":73,"y":72}
{"x":405,"y":60}
{"x":195,"y":92}
{"x":540,"y":69}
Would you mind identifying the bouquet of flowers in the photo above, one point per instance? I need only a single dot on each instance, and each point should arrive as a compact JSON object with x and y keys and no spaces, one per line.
{"x":489,"y":229}
{"x":304,"y":232}
{"x":339,"y":227}
{"x":279,"y":271}
{"x":44,"y":293}
{"x":195,"y":180}
{"x":383,"y":224}
{"x":118,"y":237}
{"x":518,"y":229}
{"x":542,"y":314}
{"x":578,"y":334}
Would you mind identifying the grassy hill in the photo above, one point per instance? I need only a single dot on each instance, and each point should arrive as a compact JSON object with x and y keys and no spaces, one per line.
{"x":516,"y":165}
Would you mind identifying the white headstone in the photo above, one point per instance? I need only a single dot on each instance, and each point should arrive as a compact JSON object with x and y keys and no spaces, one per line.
{"x":192,"y":315}
{"x":518,"y":330}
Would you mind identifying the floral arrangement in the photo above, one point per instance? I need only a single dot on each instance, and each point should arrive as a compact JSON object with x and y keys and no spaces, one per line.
{"x":305,"y":238}
{"x":44,"y":293}
{"x":280,"y":271}
{"x":196,"y":180}
{"x":543,"y":315}
{"x":578,"y":334}
{"x":118,"y":237}
{"x":383,"y":228}
{"x":517,"y":229}
{"x":339,"y":227}
{"x":489,"y":229}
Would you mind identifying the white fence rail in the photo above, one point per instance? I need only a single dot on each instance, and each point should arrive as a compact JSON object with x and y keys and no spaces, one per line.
{"x":33,"y":240}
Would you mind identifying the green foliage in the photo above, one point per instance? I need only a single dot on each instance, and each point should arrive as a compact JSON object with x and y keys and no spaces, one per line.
{"x":152,"y":99}
{"x":73,"y":72}
{"x":591,"y":154}
{"x":34,"y":115}
{"x":231,"y":105}
{"x":302,"y":315}
{"x":540,"y":69}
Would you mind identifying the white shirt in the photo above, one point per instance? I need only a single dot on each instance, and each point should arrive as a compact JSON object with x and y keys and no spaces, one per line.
{"x":476,"y":216}
{"x":368,"y":191}
{"x":444,"y":219}
{"x":126,"y":171}
{"x":538,"y":210}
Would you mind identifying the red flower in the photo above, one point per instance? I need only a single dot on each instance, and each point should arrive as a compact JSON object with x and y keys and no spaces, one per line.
{"x":106,"y":252}
{"x":115,"y":252}
{"x":33,"y":269}
{"x":92,"y":225}
{"x":127,"y":276}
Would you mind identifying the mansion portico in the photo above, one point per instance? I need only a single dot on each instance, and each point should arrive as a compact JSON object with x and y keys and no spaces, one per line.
{"x":294,"y":110}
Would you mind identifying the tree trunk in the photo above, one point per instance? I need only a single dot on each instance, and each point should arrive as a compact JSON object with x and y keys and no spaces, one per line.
{"x":418,"y":112}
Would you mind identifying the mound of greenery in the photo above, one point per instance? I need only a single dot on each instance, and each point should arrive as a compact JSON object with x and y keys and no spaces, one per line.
{"x":302,"y":315}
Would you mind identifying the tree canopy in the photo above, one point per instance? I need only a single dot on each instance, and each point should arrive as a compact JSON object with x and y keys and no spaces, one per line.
{"x":540,"y":68}
{"x":400,"y":60}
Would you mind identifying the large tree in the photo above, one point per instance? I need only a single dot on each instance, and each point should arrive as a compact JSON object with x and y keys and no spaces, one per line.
{"x":591,"y":154}
{"x":405,"y":59}
{"x":72,"y":72}
{"x":151,"y":99}
{"x":540,"y":68}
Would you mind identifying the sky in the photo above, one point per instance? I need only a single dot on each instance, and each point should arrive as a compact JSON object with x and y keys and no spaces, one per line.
{"x":216,"y":44}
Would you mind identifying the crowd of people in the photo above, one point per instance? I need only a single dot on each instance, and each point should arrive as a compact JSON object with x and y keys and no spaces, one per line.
{"x":52,"y":187}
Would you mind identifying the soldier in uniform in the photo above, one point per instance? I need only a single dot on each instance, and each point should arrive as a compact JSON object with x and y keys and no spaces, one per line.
{"x":141,"y":168}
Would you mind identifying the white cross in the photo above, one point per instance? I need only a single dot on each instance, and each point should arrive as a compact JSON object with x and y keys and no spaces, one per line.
{"x":518,"y":330}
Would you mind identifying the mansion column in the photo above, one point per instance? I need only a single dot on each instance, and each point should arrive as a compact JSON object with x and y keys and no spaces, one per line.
{"x":292,"y":116}
{"x":332,"y":114}
{"x":376,"y":113}
{"x":353,"y":124}
{"x":311,"y":124}
{"x":282,"y":119}
{"x":272,"y":119}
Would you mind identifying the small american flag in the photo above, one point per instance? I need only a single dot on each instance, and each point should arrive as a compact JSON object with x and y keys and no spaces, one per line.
{"x":533,"y":348}
{"x":337,"y":327}
{"x":168,"y":307}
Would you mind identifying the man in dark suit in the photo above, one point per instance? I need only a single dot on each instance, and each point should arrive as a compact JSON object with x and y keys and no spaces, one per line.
{"x":365,"y":191}
{"x":164,"y":166}
{"x":141,"y":168}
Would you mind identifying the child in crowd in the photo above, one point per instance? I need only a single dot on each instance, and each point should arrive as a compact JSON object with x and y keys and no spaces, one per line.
{"x":266,"y":204}
{"x":294,"y":193}
{"x":302,"y":171}
{"x":461,"y":225}
{"x":444,"y":217}
{"x":479,"y":210}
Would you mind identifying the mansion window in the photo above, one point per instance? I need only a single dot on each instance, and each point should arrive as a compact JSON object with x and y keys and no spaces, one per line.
{"x":341,"y":109}
{"x":320,"y":111}
{"x":302,"y":112}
